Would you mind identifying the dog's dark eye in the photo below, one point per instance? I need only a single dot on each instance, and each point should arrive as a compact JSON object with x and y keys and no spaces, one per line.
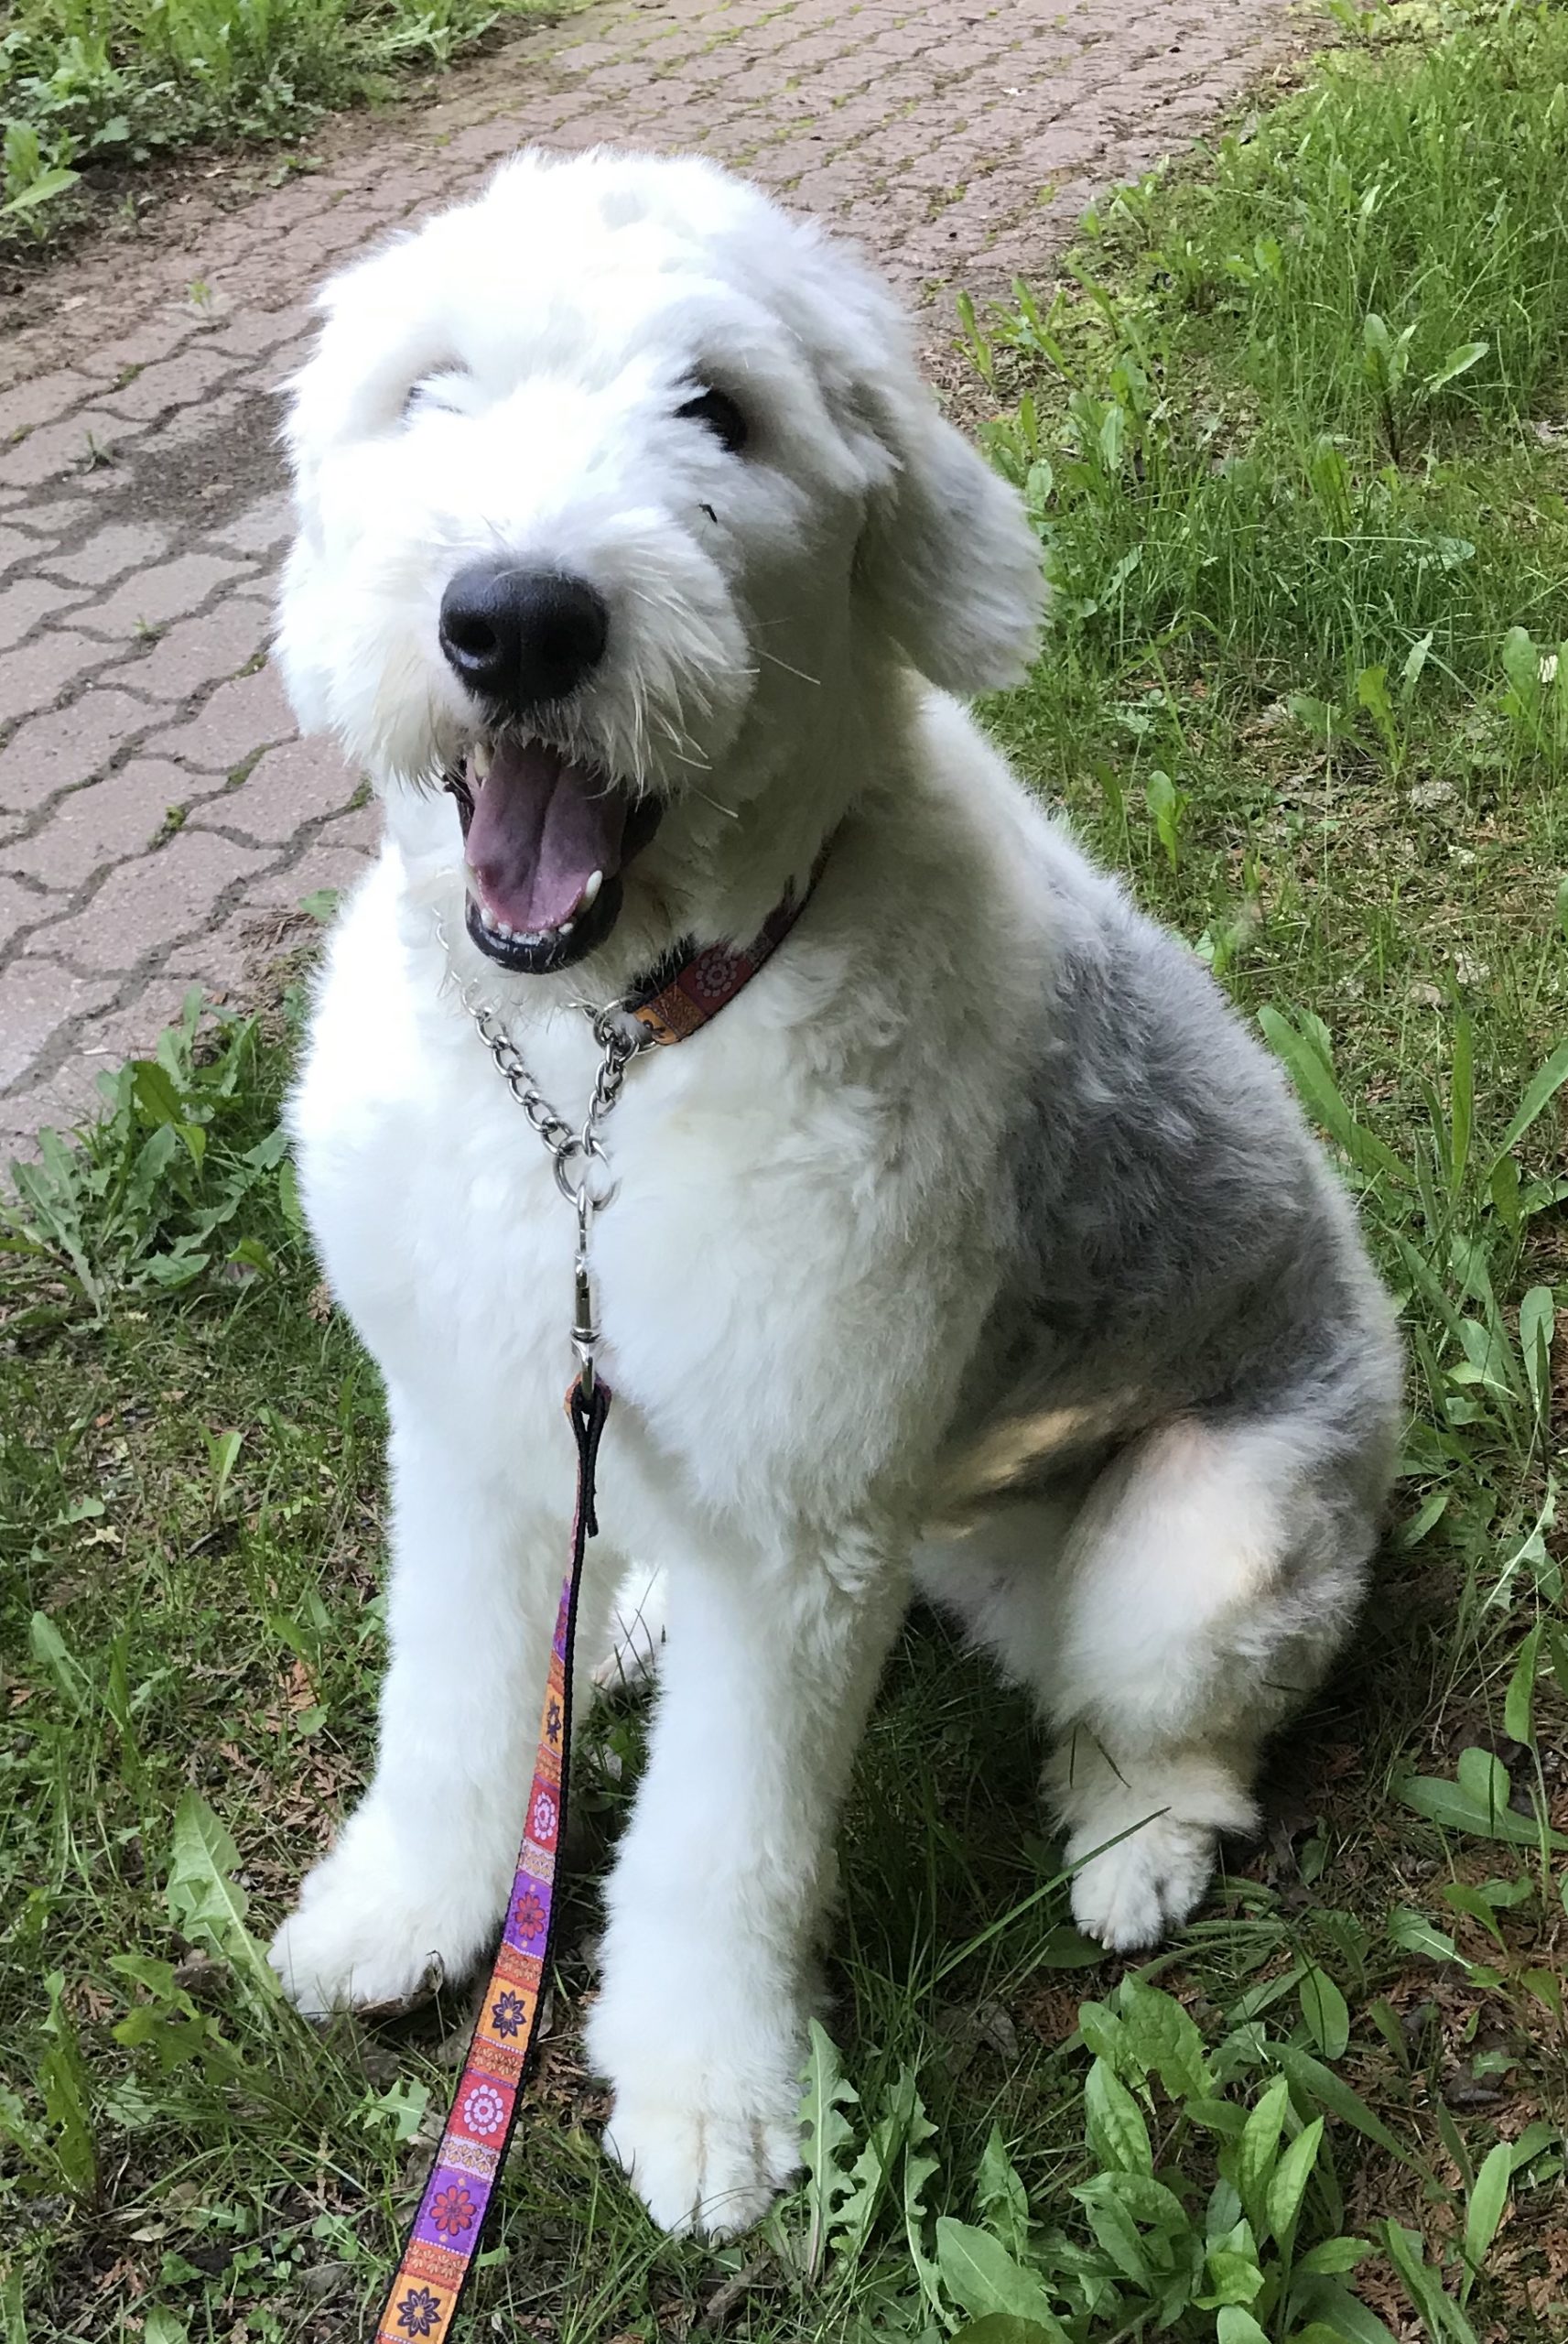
{"x":718,"y":411}
{"x":443,"y":391}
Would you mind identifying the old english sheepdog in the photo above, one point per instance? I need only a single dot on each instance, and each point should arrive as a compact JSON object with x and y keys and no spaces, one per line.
{"x":975,"y":1247}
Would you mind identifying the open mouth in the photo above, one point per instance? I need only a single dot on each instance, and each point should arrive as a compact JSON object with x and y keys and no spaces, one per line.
{"x":546,"y":841}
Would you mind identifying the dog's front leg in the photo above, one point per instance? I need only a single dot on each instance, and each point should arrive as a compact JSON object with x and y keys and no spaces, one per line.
{"x":420,"y":1872}
{"x":713,"y":1909}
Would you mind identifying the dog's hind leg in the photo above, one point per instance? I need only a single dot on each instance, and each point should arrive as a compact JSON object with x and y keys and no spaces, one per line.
{"x":1002,"y":1582}
{"x":418,"y":1878}
{"x":1194,"y":1597}
{"x":1208,"y":1580}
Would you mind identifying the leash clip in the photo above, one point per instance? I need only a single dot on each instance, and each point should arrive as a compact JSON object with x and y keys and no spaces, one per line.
{"x":585,"y":1333}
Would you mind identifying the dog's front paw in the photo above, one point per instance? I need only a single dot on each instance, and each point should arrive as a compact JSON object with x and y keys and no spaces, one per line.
{"x":375,"y":1927}
{"x":334,"y":1956}
{"x":703,"y":2168}
{"x":1133,"y":1894}
{"x":703,"y":2054}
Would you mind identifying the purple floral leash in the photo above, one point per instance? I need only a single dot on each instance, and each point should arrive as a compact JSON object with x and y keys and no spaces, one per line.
{"x":439,"y":2254}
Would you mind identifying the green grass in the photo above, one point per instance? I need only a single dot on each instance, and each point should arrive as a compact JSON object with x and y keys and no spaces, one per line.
{"x":116,"y":83}
{"x":1299,"y":687}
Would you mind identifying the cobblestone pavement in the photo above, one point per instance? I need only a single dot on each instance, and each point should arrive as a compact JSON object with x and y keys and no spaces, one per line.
{"x":157,"y":810}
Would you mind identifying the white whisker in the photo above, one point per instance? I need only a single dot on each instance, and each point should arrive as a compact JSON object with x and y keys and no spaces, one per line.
{"x":773,"y":661}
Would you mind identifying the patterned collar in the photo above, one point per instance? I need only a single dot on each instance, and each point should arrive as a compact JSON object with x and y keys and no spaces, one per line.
{"x":692,"y":983}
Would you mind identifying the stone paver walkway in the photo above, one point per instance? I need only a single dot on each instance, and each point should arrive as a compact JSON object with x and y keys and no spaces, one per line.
{"x":155,"y":810}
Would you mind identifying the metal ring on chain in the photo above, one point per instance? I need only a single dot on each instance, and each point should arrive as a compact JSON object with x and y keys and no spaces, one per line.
{"x":582,"y":1184}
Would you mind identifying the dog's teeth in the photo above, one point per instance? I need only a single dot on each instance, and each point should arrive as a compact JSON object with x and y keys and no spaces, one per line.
{"x":505,"y":933}
{"x":565,"y":929}
{"x":487,"y":916}
{"x":529,"y":935}
{"x":478,"y":757}
{"x":589,"y":893}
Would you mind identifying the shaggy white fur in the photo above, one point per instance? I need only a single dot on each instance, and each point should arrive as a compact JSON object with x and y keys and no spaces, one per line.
{"x":975,"y":1239}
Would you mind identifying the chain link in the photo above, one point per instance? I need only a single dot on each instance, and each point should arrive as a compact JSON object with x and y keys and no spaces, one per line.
{"x":573,"y":1154}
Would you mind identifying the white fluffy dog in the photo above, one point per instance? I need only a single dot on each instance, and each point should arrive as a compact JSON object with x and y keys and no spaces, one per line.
{"x":974,"y":1246}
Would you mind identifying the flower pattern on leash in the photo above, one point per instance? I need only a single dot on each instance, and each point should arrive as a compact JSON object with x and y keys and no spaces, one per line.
{"x":454,"y":2212}
{"x":528,"y":1917}
{"x":418,"y":2311}
{"x":484,"y":2110}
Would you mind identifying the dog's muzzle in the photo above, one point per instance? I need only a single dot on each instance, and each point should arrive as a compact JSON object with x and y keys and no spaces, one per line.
{"x":545,"y":837}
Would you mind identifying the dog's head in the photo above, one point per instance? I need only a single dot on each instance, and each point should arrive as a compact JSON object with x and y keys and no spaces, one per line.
{"x":611,"y":484}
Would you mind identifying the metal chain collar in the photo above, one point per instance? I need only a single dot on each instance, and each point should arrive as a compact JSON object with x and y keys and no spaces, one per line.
{"x":573,"y":1154}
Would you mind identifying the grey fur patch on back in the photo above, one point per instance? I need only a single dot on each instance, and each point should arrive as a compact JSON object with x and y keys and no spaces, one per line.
{"x":1179,"y":1243}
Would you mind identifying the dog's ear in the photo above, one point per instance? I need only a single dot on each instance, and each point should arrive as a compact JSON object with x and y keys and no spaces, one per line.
{"x":948,"y":563}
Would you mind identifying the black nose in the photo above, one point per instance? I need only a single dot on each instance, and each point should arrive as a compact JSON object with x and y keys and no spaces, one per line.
{"x":522,"y":636}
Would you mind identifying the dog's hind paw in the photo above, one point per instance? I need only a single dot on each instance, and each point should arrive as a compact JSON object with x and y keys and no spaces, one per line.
{"x":1142,"y":1837}
{"x":696,"y":2170}
{"x":1135,"y":1893}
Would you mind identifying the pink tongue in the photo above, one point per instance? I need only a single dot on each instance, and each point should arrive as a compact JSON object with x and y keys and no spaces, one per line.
{"x":541,"y":829}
